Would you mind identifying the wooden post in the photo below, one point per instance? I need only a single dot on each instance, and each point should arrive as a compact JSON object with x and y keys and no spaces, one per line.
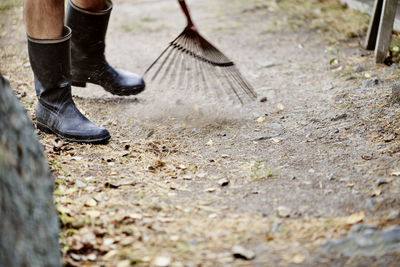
{"x":372,"y":33}
{"x":384,"y":38}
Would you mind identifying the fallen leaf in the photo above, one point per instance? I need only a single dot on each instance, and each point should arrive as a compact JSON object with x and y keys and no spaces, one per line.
{"x":117,"y":185}
{"x":201,"y":174}
{"x":111,"y":254}
{"x":124,"y":263}
{"x":91,"y":257}
{"x":261,"y":119}
{"x":187,"y":177}
{"x":395,"y":173}
{"x":90,"y":203}
{"x":376,"y":193}
{"x":355,"y":218}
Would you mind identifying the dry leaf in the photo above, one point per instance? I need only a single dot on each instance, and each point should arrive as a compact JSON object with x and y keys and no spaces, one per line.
{"x":261,"y":119}
{"x":355,"y":218}
{"x":395,"y":173}
{"x":298,"y":259}
{"x":90,"y":203}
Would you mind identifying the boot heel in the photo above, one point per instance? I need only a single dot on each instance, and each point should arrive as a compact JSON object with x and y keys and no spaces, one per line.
{"x":43,"y":128}
{"x":78,"y":84}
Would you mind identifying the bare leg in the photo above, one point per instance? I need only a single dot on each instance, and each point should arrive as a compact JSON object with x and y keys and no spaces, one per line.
{"x":90,"y":4}
{"x":44,"y":19}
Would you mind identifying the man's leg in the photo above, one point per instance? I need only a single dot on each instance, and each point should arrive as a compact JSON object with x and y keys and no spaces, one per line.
{"x":90,"y":4}
{"x":49,"y":50}
{"x":44,"y":19}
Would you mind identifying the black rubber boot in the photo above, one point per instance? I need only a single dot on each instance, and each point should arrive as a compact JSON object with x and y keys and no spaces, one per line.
{"x":56,"y":111}
{"x":89,"y":64}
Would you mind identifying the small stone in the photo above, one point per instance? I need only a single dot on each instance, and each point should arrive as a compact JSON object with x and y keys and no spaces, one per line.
{"x":162,"y":261}
{"x":80,"y":184}
{"x":240,"y":252}
{"x":75,"y":256}
{"x":275,"y":227}
{"x":283,"y":212}
{"x":361,"y":227}
{"x":395,"y":214}
{"x":331,"y":177}
{"x":339,"y":117}
{"x":264,"y":99}
{"x":91,"y":257}
{"x":370,"y":82}
{"x":358,"y":69}
{"x":223,"y":182}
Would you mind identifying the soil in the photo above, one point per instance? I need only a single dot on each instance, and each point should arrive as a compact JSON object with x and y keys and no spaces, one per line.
{"x":321,"y":154}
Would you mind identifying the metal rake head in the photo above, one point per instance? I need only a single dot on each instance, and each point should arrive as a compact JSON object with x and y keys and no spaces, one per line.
{"x":192,"y":59}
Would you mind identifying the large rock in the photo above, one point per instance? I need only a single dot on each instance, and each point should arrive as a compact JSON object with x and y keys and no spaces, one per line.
{"x":28,"y":221}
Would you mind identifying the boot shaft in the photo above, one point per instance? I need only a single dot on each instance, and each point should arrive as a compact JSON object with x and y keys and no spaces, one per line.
{"x":92,"y":28}
{"x":51,"y":64}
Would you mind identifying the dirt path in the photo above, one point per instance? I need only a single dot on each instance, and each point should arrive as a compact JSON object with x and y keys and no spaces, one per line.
{"x":321,"y":155}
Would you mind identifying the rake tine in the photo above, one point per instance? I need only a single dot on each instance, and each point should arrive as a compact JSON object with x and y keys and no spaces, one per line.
{"x":176,"y":51}
{"x":231,"y":77}
{"x":155,"y":61}
{"x":201,"y":63}
{"x":234,"y":90}
{"x":234,"y":72}
{"x":162,"y":64}
{"x":165,"y":50}
{"x":170,"y":64}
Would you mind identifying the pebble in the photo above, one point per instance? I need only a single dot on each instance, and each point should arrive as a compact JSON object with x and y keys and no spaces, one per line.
{"x":339,"y":117}
{"x":361,"y":227}
{"x":358,"y":69}
{"x":275,"y":227}
{"x":371,"y":82}
{"x":395,"y":214}
{"x":369,"y":242}
{"x":223,"y":182}
{"x":80,"y":184}
{"x":331,"y":177}
{"x":243,"y":253}
{"x":283,"y":212}
{"x":162,"y":261}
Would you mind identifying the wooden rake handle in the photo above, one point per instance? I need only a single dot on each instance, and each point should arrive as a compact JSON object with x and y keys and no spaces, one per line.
{"x":186,"y":11}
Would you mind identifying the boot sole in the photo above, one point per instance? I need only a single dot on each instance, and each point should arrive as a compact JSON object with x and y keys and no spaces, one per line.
{"x":43,"y":128}
{"x":138,"y":90}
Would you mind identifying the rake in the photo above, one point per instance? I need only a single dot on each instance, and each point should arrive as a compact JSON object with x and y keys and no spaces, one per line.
{"x":191,"y":58}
